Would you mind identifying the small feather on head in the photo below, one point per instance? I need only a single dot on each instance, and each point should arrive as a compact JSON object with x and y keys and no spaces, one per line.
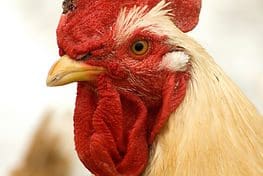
{"x":175,"y":61}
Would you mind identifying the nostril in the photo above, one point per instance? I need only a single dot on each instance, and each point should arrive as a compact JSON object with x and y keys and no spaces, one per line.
{"x":84,"y":57}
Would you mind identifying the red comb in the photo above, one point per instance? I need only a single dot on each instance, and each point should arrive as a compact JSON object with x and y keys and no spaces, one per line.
{"x":87,"y":24}
{"x":186,"y":13}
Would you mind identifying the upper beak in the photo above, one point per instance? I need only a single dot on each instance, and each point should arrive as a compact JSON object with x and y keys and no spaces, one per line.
{"x":67,"y":70}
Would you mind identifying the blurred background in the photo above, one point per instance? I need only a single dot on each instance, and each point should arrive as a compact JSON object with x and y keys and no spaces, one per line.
{"x":231,"y":31}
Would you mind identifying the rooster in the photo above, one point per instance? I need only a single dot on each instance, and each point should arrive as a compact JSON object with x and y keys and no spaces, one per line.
{"x":150,"y":100}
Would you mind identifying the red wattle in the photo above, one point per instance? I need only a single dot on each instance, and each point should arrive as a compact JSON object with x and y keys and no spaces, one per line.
{"x":114,"y":130}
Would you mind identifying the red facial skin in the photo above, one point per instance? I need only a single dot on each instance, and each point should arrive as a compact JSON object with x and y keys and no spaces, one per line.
{"x":139,"y":75}
{"x":118,"y":116}
{"x":132,"y":85}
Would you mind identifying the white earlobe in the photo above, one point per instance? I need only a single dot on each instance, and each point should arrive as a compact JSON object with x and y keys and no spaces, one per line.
{"x":175,"y":61}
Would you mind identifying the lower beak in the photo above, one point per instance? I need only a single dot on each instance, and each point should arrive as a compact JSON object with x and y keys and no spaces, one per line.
{"x":67,"y":70}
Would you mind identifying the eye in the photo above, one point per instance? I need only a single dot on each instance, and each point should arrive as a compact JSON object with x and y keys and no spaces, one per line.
{"x":140,"y":47}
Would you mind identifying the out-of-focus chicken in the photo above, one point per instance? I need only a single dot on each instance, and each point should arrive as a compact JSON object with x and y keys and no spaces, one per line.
{"x":150,"y":99}
{"x":50,"y":151}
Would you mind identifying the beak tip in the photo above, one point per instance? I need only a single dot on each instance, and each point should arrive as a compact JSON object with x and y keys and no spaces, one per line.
{"x":48,"y":85}
{"x":50,"y":82}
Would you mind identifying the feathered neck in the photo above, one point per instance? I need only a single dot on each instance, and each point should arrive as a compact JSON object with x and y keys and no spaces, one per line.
{"x":215,"y":131}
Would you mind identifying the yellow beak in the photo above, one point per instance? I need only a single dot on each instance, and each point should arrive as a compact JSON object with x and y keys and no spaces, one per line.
{"x":67,"y":70}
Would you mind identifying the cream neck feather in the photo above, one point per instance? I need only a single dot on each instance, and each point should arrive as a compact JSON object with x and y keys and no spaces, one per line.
{"x":215,"y":131}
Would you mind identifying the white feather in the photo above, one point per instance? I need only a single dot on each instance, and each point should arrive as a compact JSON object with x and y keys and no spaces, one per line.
{"x":175,"y":61}
{"x":157,"y":20}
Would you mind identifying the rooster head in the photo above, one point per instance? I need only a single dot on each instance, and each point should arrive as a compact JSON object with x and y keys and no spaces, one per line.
{"x":131,"y":71}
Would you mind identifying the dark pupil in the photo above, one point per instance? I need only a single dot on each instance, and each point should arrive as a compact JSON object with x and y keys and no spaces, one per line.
{"x":138,"y":46}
